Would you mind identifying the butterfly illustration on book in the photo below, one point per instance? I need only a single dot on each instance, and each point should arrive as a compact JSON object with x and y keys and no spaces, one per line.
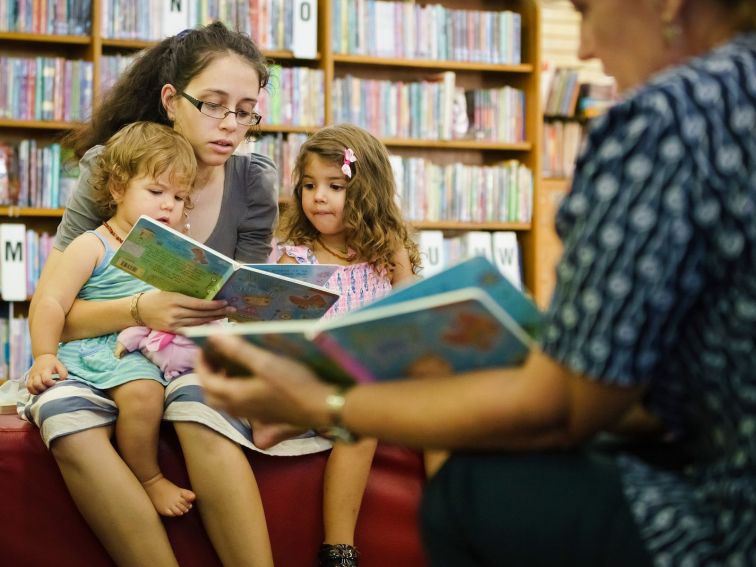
{"x":308,"y":302}
{"x":473,"y":330}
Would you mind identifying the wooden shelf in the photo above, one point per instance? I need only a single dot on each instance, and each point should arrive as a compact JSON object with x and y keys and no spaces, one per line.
{"x":432,"y":64}
{"x":275,"y":128}
{"x":137,"y":44}
{"x":458,"y":144}
{"x":27,"y":212}
{"x":42,"y":38}
{"x":456,"y":225}
{"x":127,"y":43}
{"x":36,"y":124}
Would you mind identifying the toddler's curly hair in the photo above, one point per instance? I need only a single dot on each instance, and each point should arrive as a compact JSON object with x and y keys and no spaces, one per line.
{"x":141,"y":149}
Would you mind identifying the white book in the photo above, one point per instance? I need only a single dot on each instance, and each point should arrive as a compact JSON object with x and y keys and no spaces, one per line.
{"x":305,"y":29}
{"x":175,"y":17}
{"x":13,"y":262}
{"x":431,"y":244}
{"x":385,"y":25}
{"x":506,"y":256}
{"x":477,"y":243}
{"x":447,"y":104}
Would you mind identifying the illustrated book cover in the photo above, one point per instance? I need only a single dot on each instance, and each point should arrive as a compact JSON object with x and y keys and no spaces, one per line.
{"x":171,"y":261}
{"x":479,"y":272}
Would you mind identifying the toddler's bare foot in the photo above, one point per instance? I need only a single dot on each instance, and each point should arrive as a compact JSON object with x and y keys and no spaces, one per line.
{"x":265,"y":435}
{"x":167,"y":498}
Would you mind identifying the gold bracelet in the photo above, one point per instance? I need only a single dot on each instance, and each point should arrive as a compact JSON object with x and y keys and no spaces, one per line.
{"x":135,"y":308}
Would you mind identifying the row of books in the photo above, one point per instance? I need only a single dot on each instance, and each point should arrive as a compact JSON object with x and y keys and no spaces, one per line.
{"x":562,"y":91}
{"x":295,"y":96}
{"x":274,"y":24}
{"x":464,"y":193}
{"x":439,"y":251}
{"x":283,"y":150}
{"x":45,"y":88}
{"x":71,"y":17}
{"x":566,"y":96}
{"x":111,"y":67}
{"x":15,"y":347}
{"x":43,"y":176}
{"x":34,"y":175}
{"x":596,"y":98}
{"x":428,"y":191}
{"x":156,"y":19}
{"x":560,"y":145}
{"x":433,"y":109}
{"x":413,"y":31}
{"x":24,"y":252}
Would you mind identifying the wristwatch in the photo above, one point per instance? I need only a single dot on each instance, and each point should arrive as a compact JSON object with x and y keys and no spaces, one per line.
{"x":336,"y":431}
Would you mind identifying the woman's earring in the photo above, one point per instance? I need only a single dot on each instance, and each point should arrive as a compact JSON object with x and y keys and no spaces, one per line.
{"x":671,"y":33}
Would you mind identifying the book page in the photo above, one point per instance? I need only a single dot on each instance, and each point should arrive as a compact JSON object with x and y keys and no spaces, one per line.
{"x":264,"y":296}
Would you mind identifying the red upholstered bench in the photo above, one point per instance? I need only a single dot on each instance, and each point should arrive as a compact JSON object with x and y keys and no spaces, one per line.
{"x":41,"y":527}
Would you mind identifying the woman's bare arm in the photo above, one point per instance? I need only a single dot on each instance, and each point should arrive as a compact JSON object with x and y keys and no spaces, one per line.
{"x":538,"y":405}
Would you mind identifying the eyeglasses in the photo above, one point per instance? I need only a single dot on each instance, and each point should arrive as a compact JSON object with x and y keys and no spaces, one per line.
{"x":213,"y":110}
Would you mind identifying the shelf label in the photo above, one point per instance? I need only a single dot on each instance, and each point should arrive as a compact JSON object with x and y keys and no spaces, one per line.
{"x":305,"y":33}
{"x":175,"y":17}
{"x":13,"y":262}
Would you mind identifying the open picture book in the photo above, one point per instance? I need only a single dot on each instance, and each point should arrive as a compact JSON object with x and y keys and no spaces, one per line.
{"x":466,"y":317}
{"x":171,"y":261}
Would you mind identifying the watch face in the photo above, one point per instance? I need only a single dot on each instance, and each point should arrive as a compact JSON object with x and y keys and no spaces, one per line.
{"x":337,"y":433}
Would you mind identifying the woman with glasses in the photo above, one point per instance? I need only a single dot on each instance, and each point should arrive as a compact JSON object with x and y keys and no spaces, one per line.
{"x":204,"y":83}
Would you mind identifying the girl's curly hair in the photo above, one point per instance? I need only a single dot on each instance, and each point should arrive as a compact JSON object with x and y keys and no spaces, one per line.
{"x":141,"y":149}
{"x":375,"y":229}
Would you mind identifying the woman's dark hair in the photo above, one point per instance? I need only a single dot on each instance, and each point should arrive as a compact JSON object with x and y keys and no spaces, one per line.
{"x":175,"y":60}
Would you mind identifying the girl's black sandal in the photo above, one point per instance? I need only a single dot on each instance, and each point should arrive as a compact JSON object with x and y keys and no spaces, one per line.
{"x":338,"y":555}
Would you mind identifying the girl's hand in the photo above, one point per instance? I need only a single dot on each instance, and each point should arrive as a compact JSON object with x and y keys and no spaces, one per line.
{"x":41,"y":374}
{"x":277,"y":390}
{"x":167,"y":311}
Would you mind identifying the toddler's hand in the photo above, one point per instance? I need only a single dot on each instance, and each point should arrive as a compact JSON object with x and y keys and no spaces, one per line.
{"x":120,"y":350}
{"x":41,"y":377}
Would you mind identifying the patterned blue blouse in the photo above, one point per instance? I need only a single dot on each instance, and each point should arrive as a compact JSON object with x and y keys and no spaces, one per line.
{"x":657,"y":286}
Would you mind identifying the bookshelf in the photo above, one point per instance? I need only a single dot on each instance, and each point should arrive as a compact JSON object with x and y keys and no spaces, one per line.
{"x":535,"y":238}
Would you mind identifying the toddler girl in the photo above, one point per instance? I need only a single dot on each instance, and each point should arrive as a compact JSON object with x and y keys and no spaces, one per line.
{"x":144,"y":169}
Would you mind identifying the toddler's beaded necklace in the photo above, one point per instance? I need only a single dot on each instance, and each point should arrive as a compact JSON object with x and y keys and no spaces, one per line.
{"x":113,"y":232}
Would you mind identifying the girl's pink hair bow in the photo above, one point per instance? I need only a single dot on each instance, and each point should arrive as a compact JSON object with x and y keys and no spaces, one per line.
{"x":349,"y":158}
